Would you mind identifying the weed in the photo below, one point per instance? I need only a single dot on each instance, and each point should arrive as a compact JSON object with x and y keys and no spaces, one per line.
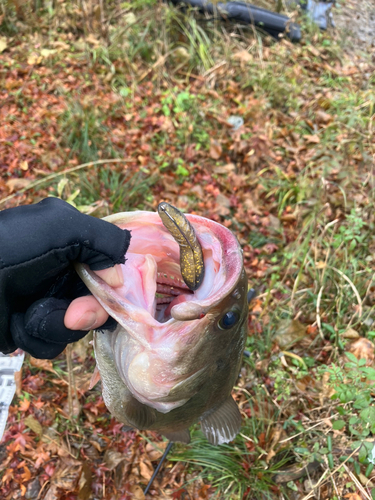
{"x":83,"y":130}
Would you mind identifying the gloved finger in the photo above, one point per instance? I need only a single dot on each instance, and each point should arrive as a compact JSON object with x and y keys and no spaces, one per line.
{"x":36,"y":347}
{"x":44,"y":320}
{"x":60,"y":234}
{"x":85,"y":313}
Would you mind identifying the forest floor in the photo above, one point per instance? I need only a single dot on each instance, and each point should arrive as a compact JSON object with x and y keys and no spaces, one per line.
{"x":122,"y":111}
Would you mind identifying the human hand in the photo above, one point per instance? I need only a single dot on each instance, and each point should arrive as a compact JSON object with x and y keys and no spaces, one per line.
{"x":38,"y":284}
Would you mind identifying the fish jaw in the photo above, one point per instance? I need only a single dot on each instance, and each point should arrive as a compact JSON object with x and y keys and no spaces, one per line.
{"x":165,"y":361}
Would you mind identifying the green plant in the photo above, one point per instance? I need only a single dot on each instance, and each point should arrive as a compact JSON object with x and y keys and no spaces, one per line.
{"x":353,"y":384}
{"x":83,"y":130}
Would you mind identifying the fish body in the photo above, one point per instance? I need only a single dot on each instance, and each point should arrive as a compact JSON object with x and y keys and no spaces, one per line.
{"x":176,"y":353}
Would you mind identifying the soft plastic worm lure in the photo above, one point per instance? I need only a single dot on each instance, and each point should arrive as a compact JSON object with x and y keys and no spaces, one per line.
{"x":191,"y":255}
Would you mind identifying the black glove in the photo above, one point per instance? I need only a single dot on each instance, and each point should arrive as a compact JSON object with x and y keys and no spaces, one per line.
{"x":38,"y":244}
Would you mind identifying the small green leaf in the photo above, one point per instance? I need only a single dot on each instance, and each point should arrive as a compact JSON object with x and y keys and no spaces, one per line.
{"x":351,"y":356}
{"x":362,"y":455}
{"x":337,"y":425}
{"x":302,"y":451}
{"x":354,"y":420}
{"x":369,"y":372}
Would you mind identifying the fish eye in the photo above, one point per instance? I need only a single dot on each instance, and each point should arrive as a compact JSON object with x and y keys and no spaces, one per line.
{"x":229,"y":319}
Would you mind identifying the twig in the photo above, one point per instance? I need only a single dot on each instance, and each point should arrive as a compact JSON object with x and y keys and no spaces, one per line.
{"x":356,"y":482}
{"x":63,"y":172}
{"x":358,"y":297}
{"x":318,"y":322}
{"x":309,"y":429}
{"x":68,"y":353}
{"x":323,"y":479}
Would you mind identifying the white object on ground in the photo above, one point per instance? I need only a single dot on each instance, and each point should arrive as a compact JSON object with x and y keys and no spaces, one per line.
{"x":9,"y":364}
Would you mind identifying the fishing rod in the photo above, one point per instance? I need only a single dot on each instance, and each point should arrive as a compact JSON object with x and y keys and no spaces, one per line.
{"x":167,"y":450}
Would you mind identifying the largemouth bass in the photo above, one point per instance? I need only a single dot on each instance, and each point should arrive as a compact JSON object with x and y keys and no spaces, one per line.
{"x":176,"y":352}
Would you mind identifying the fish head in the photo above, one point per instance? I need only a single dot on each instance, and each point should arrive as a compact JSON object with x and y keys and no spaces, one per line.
{"x":172,"y":343}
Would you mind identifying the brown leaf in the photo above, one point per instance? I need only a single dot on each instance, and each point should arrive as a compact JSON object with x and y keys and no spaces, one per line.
{"x":312,"y":139}
{"x":363,"y":349}
{"x":350,"y":333}
{"x":83,"y":381}
{"x":155,"y":450}
{"x":223,"y":200}
{"x":322,"y":116}
{"x":242,"y":56}
{"x":42,"y":364}
{"x":146,"y":469}
{"x":3,"y":43}
{"x":52,"y":493}
{"x":16,"y":184}
{"x":24,"y":405}
{"x":112,"y":458}
{"x":95,"y":377}
{"x":215,"y":149}
{"x":84,"y":483}
{"x":289,"y":332}
{"x":18,"y":381}
{"x":67,"y":474}
{"x":137,"y":492}
{"x":224,"y":169}
{"x":198,"y":191}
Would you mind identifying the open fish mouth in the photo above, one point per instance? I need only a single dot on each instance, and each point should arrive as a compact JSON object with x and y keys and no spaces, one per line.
{"x":181,"y":313}
{"x":154,"y":288}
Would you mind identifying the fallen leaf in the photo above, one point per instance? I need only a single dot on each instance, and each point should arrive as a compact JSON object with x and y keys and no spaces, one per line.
{"x":33,"y":424}
{"x":18,"y":381}
{"x":45,"y":53}
{"x":67,"y":474}
{"x":312,"y":139}
{"x":92,"y":40}
{"x":215,"y":149}
{"x":3,"y":44}
{"x":84,"y":483}
{"x":289,"y":332}
{"x":34,"y":59}
{"x":52,"y":493}
{"x":225,"y":169}
{"x":146,"y":469}
{"x":363,"y":349}
{"x":322,"y":117}
{"x":42,"y":364}
{"x":16,"y":184}
{"x":24,"y":405}
{"x":223,"y":200}
{"x":242,"y":56}
{"x":112,"y":458}
{"x":94,"y":378}
{"x":137,"y":492}
{"x":155,"y":450}
{"x":350,"y":333}
{"x":129,"y":18}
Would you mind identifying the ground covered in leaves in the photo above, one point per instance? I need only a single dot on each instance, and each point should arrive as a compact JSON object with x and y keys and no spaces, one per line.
{"x":119,"y":109}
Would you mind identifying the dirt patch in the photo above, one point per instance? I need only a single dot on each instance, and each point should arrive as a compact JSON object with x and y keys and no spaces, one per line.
{"x":355,"y":25}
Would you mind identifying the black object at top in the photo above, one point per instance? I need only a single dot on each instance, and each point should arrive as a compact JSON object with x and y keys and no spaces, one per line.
{"x":271,"y":22}
{"x":38,"y":245}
